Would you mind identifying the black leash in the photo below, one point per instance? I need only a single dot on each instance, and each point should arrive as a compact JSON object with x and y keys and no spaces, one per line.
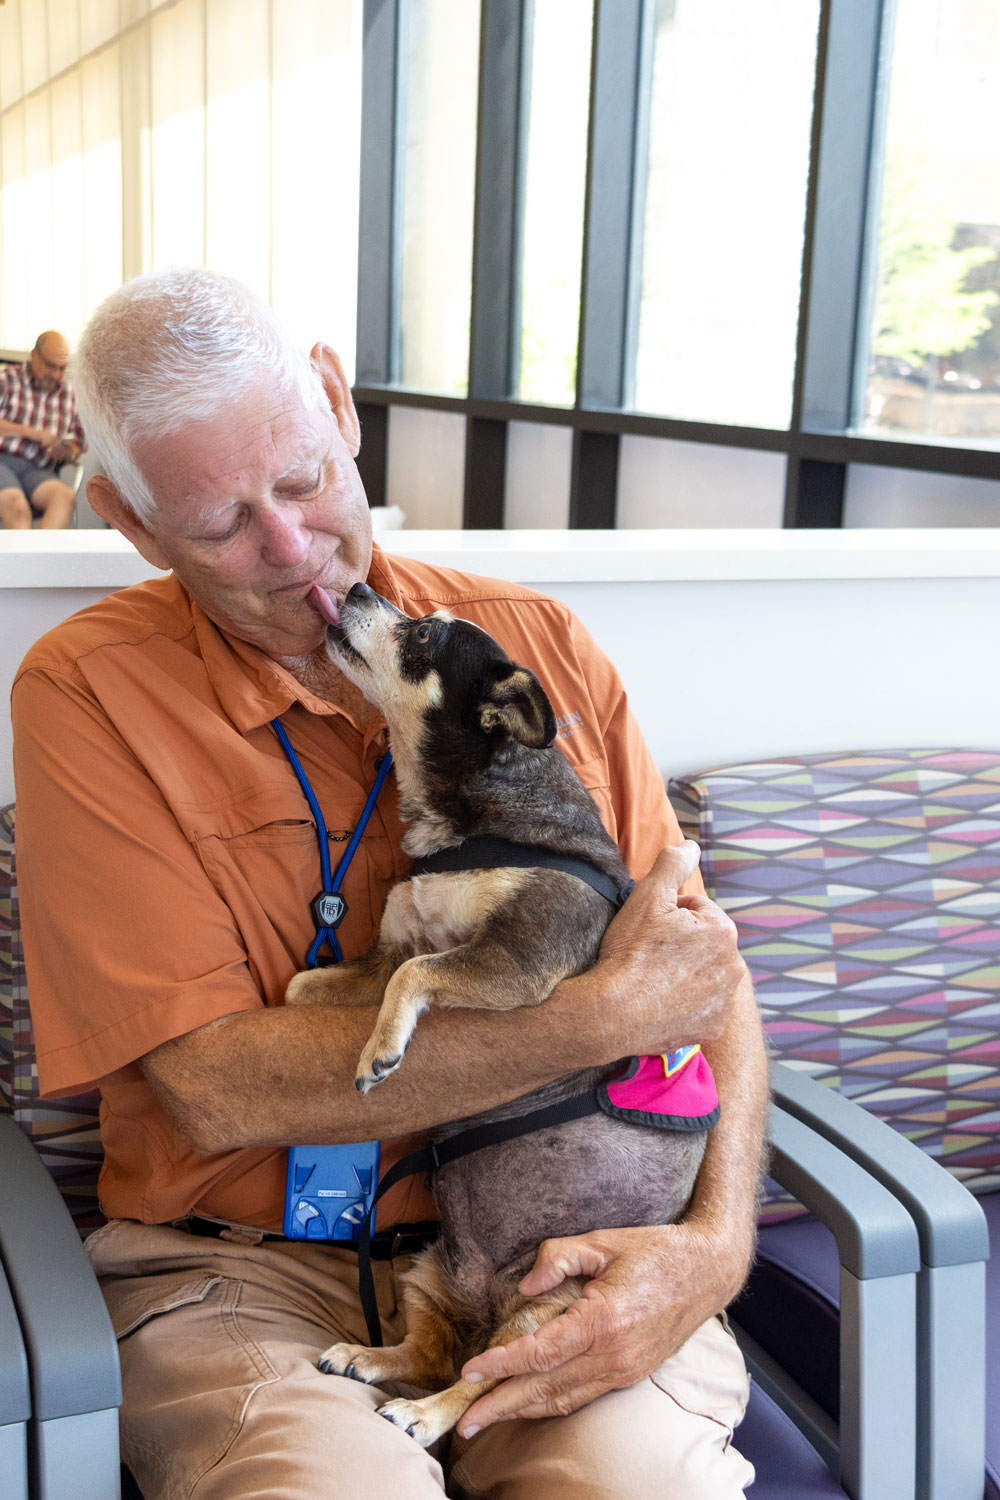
{"x":430,"y":1158}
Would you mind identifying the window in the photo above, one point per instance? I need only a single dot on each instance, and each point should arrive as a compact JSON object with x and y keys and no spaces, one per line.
{"x":934,"y":337}
{"x":698,"y":261}
{"x":206,"y":132}
{"x":725,"y":191}
{"x":439,"y":93}
{"x":554,"y":188}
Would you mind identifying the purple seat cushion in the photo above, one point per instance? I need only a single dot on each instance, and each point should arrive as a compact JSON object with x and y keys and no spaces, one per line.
{"x":791,"y":1307}
{"x":787,"y":1467}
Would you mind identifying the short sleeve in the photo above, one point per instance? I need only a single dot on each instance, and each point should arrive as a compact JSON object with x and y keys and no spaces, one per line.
{"x":646,"y":821}
{"x":127,"y":943}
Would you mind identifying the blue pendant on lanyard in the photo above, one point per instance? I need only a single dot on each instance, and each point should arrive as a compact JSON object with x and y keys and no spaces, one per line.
{"x":329,"y":1189}
{"x":328,"y":905}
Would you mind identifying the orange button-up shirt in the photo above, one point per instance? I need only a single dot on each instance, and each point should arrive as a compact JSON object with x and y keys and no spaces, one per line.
{"x":167,"y":858}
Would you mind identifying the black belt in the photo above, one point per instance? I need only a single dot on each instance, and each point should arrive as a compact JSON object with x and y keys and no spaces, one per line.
{"x":386,"y":1244}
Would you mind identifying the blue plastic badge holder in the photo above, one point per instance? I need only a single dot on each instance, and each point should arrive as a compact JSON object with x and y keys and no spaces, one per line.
{"x":329,"y":1190}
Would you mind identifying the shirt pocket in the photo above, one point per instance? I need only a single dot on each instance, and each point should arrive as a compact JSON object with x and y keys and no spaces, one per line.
{"x":265,"y":864}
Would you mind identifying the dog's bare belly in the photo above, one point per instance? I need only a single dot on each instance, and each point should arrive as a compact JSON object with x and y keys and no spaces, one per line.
{"x":498,"y":1204}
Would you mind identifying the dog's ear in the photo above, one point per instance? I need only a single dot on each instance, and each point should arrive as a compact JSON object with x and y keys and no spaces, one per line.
{"x":518,"y":704}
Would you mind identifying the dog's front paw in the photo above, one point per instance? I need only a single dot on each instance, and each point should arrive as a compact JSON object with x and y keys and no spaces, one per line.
{"x":356,"y":1361}
{"x":375,"y":1065}
{"x":420,"y":1419}
{"x":386,"y":1047}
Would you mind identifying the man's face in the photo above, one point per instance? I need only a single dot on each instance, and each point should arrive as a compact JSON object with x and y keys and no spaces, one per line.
{"x":49,"y":360}
{"x":255,"y":506}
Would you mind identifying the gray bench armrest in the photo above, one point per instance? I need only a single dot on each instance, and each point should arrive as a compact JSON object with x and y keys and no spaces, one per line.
{"x":15,"y":1399}
{"x":72,"y":1354}
{"x":951,"y":1284}
{"x":875,"y":1234}
{"x":874,"y":1450}
{"x":68,"y":1340}
{"x":950,"y":1223}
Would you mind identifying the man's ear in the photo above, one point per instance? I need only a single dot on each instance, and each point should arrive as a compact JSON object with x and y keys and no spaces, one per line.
{"x":338,"y":391}
{"x":106,"y":500}
{"x":518,"y":704}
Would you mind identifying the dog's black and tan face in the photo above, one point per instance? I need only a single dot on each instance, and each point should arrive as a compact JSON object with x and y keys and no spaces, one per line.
{"x":446,"y":688}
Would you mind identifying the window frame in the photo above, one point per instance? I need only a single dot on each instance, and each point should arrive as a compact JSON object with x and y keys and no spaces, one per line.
{"x":841,"y":216}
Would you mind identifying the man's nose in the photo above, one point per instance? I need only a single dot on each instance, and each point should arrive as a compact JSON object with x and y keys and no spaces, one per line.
{"x":286,"y":538}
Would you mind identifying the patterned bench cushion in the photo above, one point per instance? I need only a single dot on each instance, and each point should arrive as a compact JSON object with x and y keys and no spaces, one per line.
{"x":866,"y":891}
{"x":64,"y":1131}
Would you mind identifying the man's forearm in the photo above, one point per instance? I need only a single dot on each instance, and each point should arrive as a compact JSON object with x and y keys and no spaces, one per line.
{"x":725,"y":1197}
{"x":18,"y":429}
{"x":285,"y":1075}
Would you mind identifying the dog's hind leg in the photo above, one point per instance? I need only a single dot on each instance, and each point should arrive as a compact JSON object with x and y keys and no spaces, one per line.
{"x":357,"y":982}
{"x":427,"y":1355}
{"x":428,"y":1417}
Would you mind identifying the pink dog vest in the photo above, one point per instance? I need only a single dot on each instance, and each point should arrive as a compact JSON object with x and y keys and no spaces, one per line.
{"x":671,"y":1091}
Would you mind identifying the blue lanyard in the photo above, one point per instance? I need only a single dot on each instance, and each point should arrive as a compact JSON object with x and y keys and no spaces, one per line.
{"x":328,"y":905}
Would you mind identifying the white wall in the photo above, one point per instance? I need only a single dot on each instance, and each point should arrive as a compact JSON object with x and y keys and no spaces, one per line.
{"x":732,"y":645}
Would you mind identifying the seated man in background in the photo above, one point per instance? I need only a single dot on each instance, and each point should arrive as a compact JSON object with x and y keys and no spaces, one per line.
{"x":39,"y":432}
{"x":167,"y":863}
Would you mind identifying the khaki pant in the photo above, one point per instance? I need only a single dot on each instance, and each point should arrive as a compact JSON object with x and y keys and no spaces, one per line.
{"x":223,"y":1400}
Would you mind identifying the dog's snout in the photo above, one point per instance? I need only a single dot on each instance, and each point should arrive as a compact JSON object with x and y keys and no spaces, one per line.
{"x":360,"y":593}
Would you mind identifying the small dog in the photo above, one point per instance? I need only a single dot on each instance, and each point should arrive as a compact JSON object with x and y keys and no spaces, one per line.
{"x":472,"y":738}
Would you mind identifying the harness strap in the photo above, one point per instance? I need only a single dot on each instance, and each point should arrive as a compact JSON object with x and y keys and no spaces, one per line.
{"x":431,"y":1157}
{"x":487,"y":853}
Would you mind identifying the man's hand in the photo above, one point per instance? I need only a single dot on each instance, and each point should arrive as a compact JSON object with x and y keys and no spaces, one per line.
{"x":43,"y":436}
{"x":650,"y":1289}
{"x":679,"y":950}
{"x":63,"y":451}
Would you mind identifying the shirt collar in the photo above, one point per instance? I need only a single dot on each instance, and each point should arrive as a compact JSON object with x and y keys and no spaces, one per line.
{"x":251,"y":688}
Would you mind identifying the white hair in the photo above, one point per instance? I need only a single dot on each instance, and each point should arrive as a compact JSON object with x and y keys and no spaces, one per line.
{"x":172,"y":348}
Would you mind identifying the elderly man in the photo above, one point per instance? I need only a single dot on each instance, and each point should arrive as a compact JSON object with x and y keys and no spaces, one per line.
{"x":39,"y":431}
{"x":167,"y":861}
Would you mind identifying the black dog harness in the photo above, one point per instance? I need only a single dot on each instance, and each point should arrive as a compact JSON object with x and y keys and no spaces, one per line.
{"x":488,"y":853}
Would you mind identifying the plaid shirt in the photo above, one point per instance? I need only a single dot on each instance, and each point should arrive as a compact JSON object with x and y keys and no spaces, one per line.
{"x":24,"y":400}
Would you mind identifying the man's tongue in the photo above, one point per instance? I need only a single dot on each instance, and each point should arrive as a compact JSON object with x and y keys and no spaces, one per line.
{"x":319,"y":600}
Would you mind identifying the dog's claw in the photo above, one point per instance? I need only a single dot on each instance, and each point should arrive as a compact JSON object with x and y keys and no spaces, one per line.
{"x":380,"y":1067}
{"x":383,"y":1411}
